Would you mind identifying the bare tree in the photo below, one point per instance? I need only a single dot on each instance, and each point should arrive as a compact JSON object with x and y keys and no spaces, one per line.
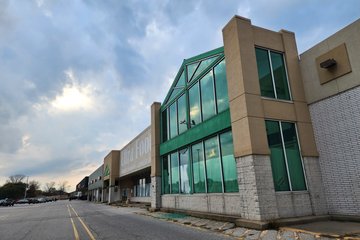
{"x":50,"y":187}
{"x":17,"y":178}
{"x":62,"y":186}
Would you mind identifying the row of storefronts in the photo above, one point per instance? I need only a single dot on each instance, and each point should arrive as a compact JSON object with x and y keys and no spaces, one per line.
{"x":235,"y":133}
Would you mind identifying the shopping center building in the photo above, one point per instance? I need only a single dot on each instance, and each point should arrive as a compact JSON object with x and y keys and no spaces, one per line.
{"x":95,"y":185}
{"x":235,"y":133}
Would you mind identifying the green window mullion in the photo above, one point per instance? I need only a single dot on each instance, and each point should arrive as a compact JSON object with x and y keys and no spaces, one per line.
{"x":221,"y":164}
{"x":272,"y":73}
{"x":169,"y":166}
{"x":214,"y":87}
{"x":200,"y":103}
{"x":286,"y":160}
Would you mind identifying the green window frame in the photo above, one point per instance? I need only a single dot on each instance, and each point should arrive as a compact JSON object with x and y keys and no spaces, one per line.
{"x":207,"y":90}
{"x":198,"y":166}
{"x":182,"y":116}
{"x":173,"y":120}
{"x":208,"y":166}
{"x":286,"y":160}
{"x":166,"y":175}
{"x":185,"y":171}
{"x":198,"y":93}
{"x":221,"y":88}
{"x":228,"y":162}
{"x":175,"y":178}
{"x":273,"y":77}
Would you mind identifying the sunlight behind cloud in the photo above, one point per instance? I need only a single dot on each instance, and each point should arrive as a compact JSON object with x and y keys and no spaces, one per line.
{"x":74,"y":97}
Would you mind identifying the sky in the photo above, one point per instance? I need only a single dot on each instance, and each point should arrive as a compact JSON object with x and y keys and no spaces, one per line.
{"x":77,"y":78}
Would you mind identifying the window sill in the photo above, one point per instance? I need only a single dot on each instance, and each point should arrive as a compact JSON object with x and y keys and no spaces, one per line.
{"x":292,"y":192}
{"x":277,"y":100}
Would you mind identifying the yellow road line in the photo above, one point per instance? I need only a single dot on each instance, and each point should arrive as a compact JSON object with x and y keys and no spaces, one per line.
{"x":76,"y":234}
{"x":84,"y":225}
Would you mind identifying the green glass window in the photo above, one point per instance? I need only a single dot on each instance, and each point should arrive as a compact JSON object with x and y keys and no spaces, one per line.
{"x":222,"y":99}
{"x":293,"y":157}
{"x":173,"y":121}
{"x":182,"y":114}
{"x":174,"y":92}
{"x":213,"y":166}
{"x":277,"y":156}
{"x":207,"y":96}
{"x":185,"y":171}
{"x":191,"y":69}
{"x":194,"y":103}
{"x":174,"y":172}
{"x":271,"y":70}
{"x":203,"y":65}
{"x":228,"y":162}
{"x":285,"y":156}
{"x":264,"y":71}
{"x":164,"y":123}
{"x":166,"y":175}
{"x":198,"y":168}
{"x":281,"y":82}
{"x":181,"y":81}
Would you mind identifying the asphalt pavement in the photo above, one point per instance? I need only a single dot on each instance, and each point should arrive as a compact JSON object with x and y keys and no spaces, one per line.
{"x":83,"y":220}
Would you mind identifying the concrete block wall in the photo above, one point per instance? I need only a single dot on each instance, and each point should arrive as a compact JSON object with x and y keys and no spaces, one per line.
{"x":256,"y":187}
{"x":221,"y":203}
{"x":261,"y":202}
{"x":155,"y":192}
{"x":315,"y":185}
{"x":336,"y":122}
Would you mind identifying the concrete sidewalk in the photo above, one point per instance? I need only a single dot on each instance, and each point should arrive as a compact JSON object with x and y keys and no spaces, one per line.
{"x":312,"y":231}
{"x":333,"y":229}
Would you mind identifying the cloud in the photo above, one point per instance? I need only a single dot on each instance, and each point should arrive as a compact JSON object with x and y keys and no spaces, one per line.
{"x":78,"y":77}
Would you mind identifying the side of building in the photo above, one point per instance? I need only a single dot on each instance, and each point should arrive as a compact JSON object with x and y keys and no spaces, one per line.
{"x":331,"y":74}
{"x":96,"y":185}
{"x":135,"y":168}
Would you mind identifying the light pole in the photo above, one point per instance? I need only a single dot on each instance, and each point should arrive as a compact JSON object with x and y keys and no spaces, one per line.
{"x":27,"y":181}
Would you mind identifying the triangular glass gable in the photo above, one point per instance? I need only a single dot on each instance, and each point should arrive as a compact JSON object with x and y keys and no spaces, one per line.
{"x":191,"y":69}
{"x":178,"y":87}
{"x":204,"y":64}
{"x":181,"y":81}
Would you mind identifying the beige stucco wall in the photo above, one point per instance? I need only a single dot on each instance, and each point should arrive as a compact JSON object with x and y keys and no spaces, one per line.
{"x":136,"y":155}
{"x":313,"y":89}
{"x":112,"y":160}
{"x":248,"y":108}
{"x":155,"y":139}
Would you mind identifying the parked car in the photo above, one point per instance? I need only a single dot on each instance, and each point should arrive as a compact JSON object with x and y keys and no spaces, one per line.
{"x":41,"y":200}
{"x":23,"y":201}
{"x":33,"y":200}
{"x":7,"y":202}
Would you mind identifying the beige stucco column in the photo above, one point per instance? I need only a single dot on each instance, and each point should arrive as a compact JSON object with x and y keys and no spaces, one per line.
{"x":155,"y":157}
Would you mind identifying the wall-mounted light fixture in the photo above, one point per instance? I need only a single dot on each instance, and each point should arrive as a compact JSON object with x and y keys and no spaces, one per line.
{"x":328,"y":63}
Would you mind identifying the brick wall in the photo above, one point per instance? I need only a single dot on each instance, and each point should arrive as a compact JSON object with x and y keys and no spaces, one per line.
{"x":336,"y":122}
